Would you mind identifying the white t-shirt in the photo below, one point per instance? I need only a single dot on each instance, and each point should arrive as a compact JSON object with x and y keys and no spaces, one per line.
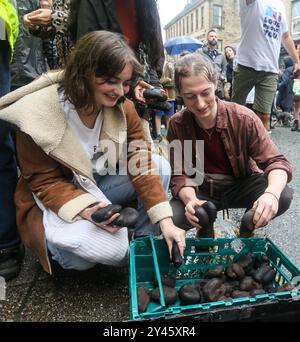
{"x":263,"y":23}
{"x":88,"y":137}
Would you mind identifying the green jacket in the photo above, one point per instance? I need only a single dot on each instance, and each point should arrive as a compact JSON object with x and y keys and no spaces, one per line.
{"x":9,"y":14}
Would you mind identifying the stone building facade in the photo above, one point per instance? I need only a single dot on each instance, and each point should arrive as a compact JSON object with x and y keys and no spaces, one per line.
{"x":199,"y":16}
{"x":293,"y":16}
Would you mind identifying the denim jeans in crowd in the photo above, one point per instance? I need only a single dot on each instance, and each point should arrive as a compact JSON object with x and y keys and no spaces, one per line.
{"x":119,"y":190}
{"x":8,"y":167}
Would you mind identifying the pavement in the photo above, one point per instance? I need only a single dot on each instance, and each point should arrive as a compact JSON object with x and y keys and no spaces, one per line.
{"x":101,"y":294}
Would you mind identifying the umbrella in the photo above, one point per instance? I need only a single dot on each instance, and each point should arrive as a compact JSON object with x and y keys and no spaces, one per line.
{"x":179,"y":44}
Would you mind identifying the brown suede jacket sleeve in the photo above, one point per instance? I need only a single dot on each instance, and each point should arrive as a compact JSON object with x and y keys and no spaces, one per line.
{"x":49,"y":180}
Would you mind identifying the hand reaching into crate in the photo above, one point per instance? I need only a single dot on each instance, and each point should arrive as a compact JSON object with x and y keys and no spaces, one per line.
{"x":173,"y":234}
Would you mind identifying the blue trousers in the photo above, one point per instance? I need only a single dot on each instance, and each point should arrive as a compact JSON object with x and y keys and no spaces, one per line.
{"x":8,"y":167}
{"x":4,"y":68}
{"x":119,"y":190}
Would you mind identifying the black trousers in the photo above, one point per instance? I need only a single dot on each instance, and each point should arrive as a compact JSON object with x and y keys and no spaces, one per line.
{"x":242,"y":193}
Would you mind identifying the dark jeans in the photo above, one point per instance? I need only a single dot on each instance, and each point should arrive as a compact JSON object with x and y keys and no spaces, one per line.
{"x":8,"y":167}
{"x":241,"y":194}
{"x":119,"y":190}
{"x":4,"y":68}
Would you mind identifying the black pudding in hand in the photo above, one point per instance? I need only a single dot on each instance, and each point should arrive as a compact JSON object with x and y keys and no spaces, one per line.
{"x":154,"y":94}
{"x":128,"y":218}
{"x":211,"y":211}
{"x":106,"y":213}
{"x":206,"y":214}
{"x":176,"y":256}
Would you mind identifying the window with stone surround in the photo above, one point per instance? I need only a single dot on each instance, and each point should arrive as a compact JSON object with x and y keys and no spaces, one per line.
{"x":202,"y":18}
{"x":217,"y":16}
{"x":192,"y":22}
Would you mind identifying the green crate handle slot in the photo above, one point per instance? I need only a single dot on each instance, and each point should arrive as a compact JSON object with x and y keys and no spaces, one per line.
{"x":157,"y":273}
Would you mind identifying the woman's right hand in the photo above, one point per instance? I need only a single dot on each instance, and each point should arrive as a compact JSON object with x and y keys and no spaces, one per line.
{"x":41,"y":17}
{"x":190,"y":212}
{"x":88,"y":212}
{"x":27,"y":22}
{"x":173,"y":233}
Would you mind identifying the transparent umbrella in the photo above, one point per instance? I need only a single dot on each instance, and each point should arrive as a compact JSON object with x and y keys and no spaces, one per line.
{"x":179,"y":44}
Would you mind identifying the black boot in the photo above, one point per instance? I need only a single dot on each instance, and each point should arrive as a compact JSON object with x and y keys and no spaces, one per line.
{"x":295,"y":127}
{"x":11,"y":261}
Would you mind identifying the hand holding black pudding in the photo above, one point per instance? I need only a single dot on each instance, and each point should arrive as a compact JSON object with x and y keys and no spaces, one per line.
{"x":211,"y":211}
{"x":247,"y":225}
{"x":154,"y":94}
{"x":206,"y":214}
{"x":157,"y":100}
{"x":176,"y":257}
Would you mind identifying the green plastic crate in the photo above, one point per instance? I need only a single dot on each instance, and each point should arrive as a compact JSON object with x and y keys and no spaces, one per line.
{"x":149,"y":256}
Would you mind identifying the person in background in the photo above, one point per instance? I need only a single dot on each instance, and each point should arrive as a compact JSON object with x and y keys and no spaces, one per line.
{"x":296,"y":111}
{"x":264,"y":27}
{"x":11,"y":250}
{"x":49,"y":43}
{"x":296,"y":114}
{"x":33,"y":55}
{"x":80,"y":147}
{"x":243,"y":168}
{"x":230,"y":55}
{"x":167,"y":81}
{"x":285,"y":95}
{"x":51,"y":21}
{"x":217,"y":57}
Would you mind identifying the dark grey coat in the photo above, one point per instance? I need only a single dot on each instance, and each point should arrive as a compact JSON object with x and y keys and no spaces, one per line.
{"x":285,"y":96}
{"x":30,"y":56}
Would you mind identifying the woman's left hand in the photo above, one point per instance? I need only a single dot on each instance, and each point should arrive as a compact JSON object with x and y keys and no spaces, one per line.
{"x":266,"y":208}
{"x":106,"y":225}
{"x":173,"y":233}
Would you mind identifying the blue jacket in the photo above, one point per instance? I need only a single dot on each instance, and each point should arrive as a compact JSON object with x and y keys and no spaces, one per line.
{"x":285,"y":96}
